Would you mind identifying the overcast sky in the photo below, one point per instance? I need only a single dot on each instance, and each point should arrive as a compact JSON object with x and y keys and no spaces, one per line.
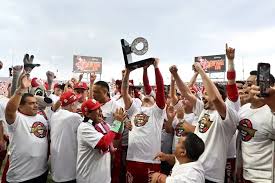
{"x":177,"y":31}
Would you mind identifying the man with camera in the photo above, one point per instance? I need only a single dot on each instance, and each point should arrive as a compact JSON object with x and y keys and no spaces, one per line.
{"x":257,"y":131}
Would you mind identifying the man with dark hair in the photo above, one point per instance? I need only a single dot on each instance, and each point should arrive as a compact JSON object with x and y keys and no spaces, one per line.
{"x":81,"y":88}
{"x":186,"y":167}
{"x":28,"y":143}
{"x":257,"y":131}
{"x":101,"y":93}
{"x":217,"y":121}
{"x":145,"y":137}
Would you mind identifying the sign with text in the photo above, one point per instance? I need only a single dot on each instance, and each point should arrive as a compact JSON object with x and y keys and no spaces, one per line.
{"x":212,"y":63}
{"x":87,"y":64}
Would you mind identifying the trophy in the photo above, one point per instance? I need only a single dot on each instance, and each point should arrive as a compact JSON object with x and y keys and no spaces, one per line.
{"x":128,"y":49}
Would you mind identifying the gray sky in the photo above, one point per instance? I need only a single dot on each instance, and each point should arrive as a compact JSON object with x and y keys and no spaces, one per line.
{"x":177,"y":31}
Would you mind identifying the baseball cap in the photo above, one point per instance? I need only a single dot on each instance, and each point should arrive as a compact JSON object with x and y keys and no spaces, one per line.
{"x":81,"y":85}
{"x":90,"y":105}
{"x":68,"y":98}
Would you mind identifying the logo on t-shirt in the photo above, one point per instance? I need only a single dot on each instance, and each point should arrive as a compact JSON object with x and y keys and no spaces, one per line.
{"x":246,"y":129}
{"x":179,"y":130}
{"x":39,"y":129}
{"x":141,"y":119}
{"x":205,"y":123}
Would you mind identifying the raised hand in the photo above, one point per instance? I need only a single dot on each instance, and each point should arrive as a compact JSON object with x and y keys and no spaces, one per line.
{"x":80,"y":77}
{"x":156,"y":62}
{"x":230,"y":52}
{"x":92,"y":77}
{"x":120,"y":115}
{"x":17,"y":69}
{"x":50,"y":76}
{"x":173,"y":69}
{"x":25,"y":81}
{"x":197,"y":67}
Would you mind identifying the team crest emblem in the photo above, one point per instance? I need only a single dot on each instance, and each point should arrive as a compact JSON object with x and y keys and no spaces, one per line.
{"x":39,"y":129}
{"x":205,"y":123}
{"x":246,"y":129}
{"x":179,"y":130}
{"x":141,"y":120}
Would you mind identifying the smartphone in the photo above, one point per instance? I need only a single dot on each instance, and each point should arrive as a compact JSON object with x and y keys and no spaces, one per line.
{"x":263,"y":78}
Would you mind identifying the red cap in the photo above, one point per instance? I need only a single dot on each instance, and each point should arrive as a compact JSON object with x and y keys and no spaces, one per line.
{"x":68,"y":98}
{"x":46,"y":85}
{"x":90,"y":105}
{"x":81,"y":85}
{"x":34,"y":82}
{"x":56,"y":85}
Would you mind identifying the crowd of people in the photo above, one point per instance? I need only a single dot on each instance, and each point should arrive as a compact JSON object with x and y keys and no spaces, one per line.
{"x":87,"y":133}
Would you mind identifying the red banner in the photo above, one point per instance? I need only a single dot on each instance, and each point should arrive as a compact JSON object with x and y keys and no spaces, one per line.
{"x":87,"y":64}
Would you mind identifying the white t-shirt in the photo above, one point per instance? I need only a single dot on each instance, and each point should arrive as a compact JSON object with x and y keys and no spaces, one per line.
{"x":187,"y":173}
{"x":125,"y":134}
{"x":216,"y":134}
{"x":120,"y":102}
{"x":28,"y":146}
{"x":64,"y":126}
{"x":108,"y":109}
{"x":178,"y":132}
{"x":92,"y":166}
{"x":145,"y":136}
{"x":54,"y":98}
{"x":255,"y":127}
{"x":166,"y":142}
{"x":3,"y":103}
{"x":231,"y":152}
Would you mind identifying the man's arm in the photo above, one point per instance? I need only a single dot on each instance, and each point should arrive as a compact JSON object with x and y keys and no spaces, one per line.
{"x":160,"y":95}
{"x":158,"y":178}
{"x":171,"y":113}
{"x":13,"y":104}
{"x":2,"y":140}
{"x":124,"y":90}
{"x":193,"y":79}
{"x":146,"y":84}
{"x":212,"y":92}
{"x":50,"y":78}
{"x":169,"y":158}
{"x":174,"y":98}
{"x":16,"y":71}
{"x":92,"y":80}
{"x":185,"y":91}
{"x":231,"y":87}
